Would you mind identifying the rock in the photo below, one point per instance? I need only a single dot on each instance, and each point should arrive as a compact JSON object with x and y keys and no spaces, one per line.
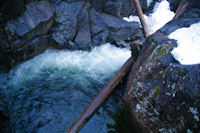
{"x":83,"y":37}
{"x":25,"y":33}
{"x":3,"y":113}
{"x":176,"y":24}
{"x":36,"y":20}
{"x":105,"y":27}
{"x":5,"y":51}
{"x":127,"y":8}
{"x":66,"y":18}
{"x":113,"y":8}
{"x":175,"y":3}
{"x":191,"y":13}
{"x":32,"y":48}
{"x":121,"y":8}
{"x":10,"y":9}
{"x":164,"y":96}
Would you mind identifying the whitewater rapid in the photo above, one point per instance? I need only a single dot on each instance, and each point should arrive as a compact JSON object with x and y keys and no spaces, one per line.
{"x":47,"y":93}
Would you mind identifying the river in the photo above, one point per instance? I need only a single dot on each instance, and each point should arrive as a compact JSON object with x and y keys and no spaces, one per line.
{"x":47,"y":94}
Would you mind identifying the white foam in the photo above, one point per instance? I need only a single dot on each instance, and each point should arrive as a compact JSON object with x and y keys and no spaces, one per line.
{"x":188,"y":39}
{"x":99,"y":63}
{"x":160,"y":16}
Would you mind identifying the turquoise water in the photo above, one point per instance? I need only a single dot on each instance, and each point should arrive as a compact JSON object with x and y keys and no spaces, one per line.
{"x":48,"y":93}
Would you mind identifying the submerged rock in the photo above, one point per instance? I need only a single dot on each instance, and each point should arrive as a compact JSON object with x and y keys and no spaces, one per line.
{"x":164,"y":95}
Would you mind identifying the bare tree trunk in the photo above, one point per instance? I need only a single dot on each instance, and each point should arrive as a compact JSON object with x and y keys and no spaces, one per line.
{"x":180,"y":10}
{"x":141,"y":16}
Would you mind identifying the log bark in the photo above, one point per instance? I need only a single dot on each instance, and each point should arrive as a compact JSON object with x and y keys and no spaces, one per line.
{"x":101,"y":97}
{"x":180,"y":10}
{"x":141,"y":17}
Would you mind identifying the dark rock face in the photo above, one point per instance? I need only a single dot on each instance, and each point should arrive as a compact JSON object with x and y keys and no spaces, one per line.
{"x":32,"y":48}
{"x":35,"y":21}
{"x":5,"y":51}
{"x":66,"y":19}
{"x":23,"y":31}
{"x":3,"y":113}
{"x":10,"y":9}
{"x":192,"y":11}
{"x":71,"y":24}
{"x":164,"y":95}
{"x":83,"y":37}
{"x":80,"y":27}
{"x":109,"y":28}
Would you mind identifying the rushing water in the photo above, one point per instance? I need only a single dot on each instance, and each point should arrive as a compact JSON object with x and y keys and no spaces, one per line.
{"x":47,"y":93}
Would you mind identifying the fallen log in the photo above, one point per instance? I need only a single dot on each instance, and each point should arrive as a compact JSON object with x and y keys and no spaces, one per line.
{"x":141,"y":17}
{"x":101,"y":97}
{"x":180,"y":10}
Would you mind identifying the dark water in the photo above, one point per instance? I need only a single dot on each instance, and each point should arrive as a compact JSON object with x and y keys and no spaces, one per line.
{"x":48,"y":93}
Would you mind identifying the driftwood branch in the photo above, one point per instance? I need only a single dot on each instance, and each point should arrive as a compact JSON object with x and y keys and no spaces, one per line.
{"x":141,"y":17}
{"x":180,"y":10}
{"x":101,"y":97}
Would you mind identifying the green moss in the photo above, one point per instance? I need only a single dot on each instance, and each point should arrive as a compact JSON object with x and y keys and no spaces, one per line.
{"x":154,"y":76}
{"x":165,"y":49}
{"x":155,"y":55}
{"x":113,"y":29}
{"x":156,"y":93}
{"x":182,"y":70}
{"x":161,"y":47}
{"x":155,"y":41}
{"x":162,"y":52}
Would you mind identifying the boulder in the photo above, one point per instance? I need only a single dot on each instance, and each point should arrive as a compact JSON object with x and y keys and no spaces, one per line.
{"x":4,"y":117}
{"x":23,"y":31}
{"x":83,"y":37}
{"x":32,"y":48}
{"x":5,"y":51}
{"x":10,"y":9}
{"x":36,"y":20}
{"x":164,"y":95}
{"x":66,"y":27}
{"x":191,"y":13}
{"x":113,"y":8}
{"x":175,"y":3}
{"x":109,"y":28}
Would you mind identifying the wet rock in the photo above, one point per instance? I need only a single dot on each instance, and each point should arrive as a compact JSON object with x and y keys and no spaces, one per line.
{"x":121,"y":8}
{"x":175,"y":3}
{"x":10,"y":9}
{"x":32,"y":48}
{"x":83,"y":37}
{"x":176,"y":24}
{"x":5,"y":51}
{"x":105,"y":27}
{"x":192,"y":13}
{"x":25,"y":33}
{"x":66,"y":19}
{"x":127,"y":8}
{"x":192,"y":10}
{"x":113,"y":8}
{"x":35,"y":21}
{"x":164,"y":96}
{"x":3,"y":113}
